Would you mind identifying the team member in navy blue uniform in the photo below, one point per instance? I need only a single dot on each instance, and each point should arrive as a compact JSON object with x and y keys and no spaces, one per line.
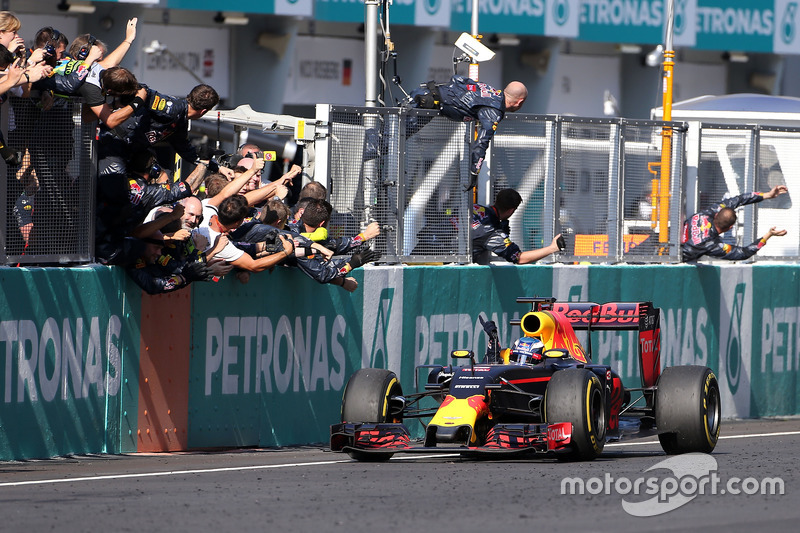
{"x":125,"y":200}
{"x":490,"y":232}
{"x":164,"y":267}
{"x":157,"y":120}
{"x":701,"y":232}
{"x":464,"y":99}
{"x":163,"y":118}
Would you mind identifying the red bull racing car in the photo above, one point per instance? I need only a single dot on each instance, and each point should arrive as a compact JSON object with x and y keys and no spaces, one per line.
{"x":545,"y":395}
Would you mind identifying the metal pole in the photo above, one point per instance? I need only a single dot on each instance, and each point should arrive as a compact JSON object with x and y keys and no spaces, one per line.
{"x":473,"y":67}
{"x":473,"y":73}
{"x":666,"y":134}
{"x":371,"y":52}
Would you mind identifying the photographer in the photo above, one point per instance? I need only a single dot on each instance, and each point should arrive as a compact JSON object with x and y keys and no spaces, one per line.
{"x":53,"y":43}
{"x":9,"y":33}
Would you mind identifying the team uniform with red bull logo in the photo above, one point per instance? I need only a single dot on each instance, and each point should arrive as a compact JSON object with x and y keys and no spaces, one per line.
{"x":465,"y":100}
{"x":700,"y":237}
{"x":123,"y":204}
{"x":490,"y":234}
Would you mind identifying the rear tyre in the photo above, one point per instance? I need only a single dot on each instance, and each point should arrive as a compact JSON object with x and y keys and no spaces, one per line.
{"x":688,"y":409}
{"x":575,"y":395}
{"x":367,"y":400}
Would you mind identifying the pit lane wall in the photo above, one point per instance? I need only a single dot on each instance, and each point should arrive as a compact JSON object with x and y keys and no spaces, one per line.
{"x":89,"y":365}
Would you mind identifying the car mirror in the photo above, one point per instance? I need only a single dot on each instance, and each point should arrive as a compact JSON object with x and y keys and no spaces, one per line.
{"x":556,"y":352}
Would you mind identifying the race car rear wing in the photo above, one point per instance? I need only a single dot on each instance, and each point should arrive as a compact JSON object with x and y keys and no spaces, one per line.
{"x":640,"y":316}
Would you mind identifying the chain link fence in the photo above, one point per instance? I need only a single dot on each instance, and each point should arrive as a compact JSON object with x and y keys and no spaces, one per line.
{"x":48,"y":200}
{"x":739,"y":159}
{"x":524,"y":158}
{"x":605,"y":180}
{"x":603,"y":183}
{"x":407,"y":172}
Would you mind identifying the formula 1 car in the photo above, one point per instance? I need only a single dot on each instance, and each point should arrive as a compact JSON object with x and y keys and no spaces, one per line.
{"x":560,"y":404}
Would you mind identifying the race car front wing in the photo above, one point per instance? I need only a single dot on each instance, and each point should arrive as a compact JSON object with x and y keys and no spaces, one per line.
{"x":502,"y":438}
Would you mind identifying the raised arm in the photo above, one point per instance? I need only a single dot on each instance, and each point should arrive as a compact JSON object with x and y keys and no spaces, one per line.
{"x":236,"y":185}
{"x":115,"y":58}
{"x":269,"y":190}
{"x":775,"y":191}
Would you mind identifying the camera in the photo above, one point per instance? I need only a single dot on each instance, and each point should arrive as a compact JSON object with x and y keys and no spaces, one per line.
{"x":154,"y":172}
{"x":473,"y":48}
{"x":213,"y":165}
{"x":269,"y":155}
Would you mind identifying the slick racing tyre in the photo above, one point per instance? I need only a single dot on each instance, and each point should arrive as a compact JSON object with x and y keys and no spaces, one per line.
{"x":575,"y":395}
{"x":367,"y":399}
{"x":688,"y":410}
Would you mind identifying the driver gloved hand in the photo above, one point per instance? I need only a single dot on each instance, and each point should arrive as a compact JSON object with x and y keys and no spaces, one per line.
{"x":363,"y":258}
{"x":489,"y":326}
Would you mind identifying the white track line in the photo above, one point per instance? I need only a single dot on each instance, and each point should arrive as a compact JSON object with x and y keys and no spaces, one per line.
{"x":314,"y":463}
{"x":753,"y":435}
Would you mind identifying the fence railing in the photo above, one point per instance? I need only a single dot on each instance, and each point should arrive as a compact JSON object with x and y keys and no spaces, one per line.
{"x":407,"y":171}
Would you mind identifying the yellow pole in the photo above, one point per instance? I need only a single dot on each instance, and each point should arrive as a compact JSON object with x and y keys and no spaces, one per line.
{"x":667,"y":78}
{"x":666,"y":148}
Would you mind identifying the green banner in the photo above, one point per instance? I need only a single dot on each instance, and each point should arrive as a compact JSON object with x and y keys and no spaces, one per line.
{"x":270,"y":359}
{"x":268,"y":368}
{"x":69,"y":372}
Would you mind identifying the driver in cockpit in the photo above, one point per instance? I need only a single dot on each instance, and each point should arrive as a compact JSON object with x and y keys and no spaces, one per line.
{"x":525,"y":351}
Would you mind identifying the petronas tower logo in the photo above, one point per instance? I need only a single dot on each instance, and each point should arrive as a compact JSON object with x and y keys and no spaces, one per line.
{"x":679,"y":22}
{"x":733,"y":351}
{"x":788,"y":23}
{"x":561,"y":12}
{"x":432,"y":6}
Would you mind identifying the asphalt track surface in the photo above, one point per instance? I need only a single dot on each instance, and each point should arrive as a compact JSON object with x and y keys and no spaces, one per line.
{"x":309,"y":489}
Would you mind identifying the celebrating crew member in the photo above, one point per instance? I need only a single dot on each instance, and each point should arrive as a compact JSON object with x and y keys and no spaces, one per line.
{"x":701,"y":232}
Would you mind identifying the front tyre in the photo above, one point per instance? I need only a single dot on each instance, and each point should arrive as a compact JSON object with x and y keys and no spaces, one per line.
{"x":575,"y":395}
{"x":367,"y":399}
{"x":688,"y":412}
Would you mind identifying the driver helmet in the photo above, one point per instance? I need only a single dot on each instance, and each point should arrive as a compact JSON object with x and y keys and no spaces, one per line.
{"x":526,"y":351}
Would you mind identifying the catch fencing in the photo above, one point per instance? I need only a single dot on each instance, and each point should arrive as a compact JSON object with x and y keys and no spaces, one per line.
{"x":47,"y":211}
{"x":596,"y":181}
{"x":617,"y":189}
{"x":737,"y":159}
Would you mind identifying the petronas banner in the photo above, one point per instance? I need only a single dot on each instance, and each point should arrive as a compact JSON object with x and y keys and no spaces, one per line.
{"x":90,"y":365}
{"x":271,"y":369}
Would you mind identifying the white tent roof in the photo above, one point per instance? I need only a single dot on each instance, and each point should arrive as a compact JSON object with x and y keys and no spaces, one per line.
{"x":737,"y":108}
